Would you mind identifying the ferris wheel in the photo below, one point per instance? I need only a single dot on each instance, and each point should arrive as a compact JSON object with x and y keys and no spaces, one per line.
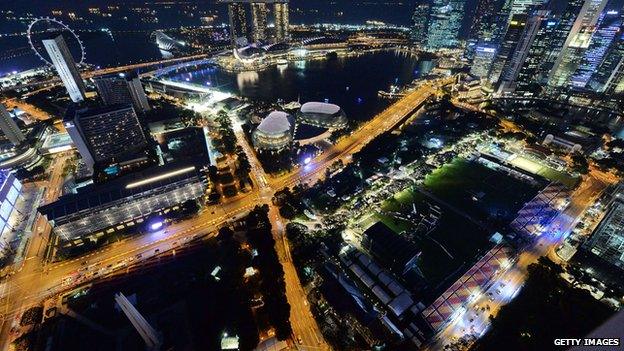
{"x":45,"y":27}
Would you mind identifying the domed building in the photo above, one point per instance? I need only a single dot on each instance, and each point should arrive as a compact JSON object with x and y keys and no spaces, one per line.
{"x":321,"y":114}
{"x":275,"y":132}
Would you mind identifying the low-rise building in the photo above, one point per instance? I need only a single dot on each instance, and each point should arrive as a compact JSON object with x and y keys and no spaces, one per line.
{"x":124,"y":200}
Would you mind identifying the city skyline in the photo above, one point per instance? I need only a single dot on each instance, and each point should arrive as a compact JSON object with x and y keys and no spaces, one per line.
{"x":312,"y":175}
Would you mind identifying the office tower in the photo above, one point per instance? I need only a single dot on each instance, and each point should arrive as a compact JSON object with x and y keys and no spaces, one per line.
{"x":524,"y":6}
{"x":534,"y":71}
{"x":420,"y":18}
{"x":282,"y":22}
{"x":576,"y":43}
{"x":609,"y":25}
{"x":485,"y":22}
{"x":9,"y":127}
{"x":124,"y":88}
{"x":259,"y":21}
{"x":109,"y":133}
{"x":507,"y":46}
{"x":512,"y":67}
{"x":238,"y":24}
{"x":445,"y":23}
{"x":609,"y":77}
{"x":484,"y":55}
{"x":65,"y":67}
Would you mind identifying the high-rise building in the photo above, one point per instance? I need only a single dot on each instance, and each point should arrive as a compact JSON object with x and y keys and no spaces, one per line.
{"x":124,"y":88}
{"x":508,"y":46}
{"x":105,"y":134}
{"x":282,"y":22}
{"x":483,"y":57}
{"x":445,"y":23}
{"x":238,"y":24}
{"x":513,"y":66}
{"x":65,"y":66}
{"x":535,"y":69}
{"x":608,"y":29}
{"x":420,"y":19}
{"x":576,"y":43}
{"x":485,"y":22}
{"x":609,"y":76}
{"x":9,"y":127}
{"x":524,"y":6}
{"x":259,"y":14}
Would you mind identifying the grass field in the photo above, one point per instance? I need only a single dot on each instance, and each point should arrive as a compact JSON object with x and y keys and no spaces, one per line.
{"x":482,"y":193}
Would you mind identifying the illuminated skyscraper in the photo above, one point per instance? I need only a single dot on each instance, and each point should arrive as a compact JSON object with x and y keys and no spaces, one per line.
{"x":105,"y":134}
{"x":534,"y":71}
{"x":576,"y":43}
{"x":259,"y":21}
{"x":238,"y":24}
{"x":523,"y":6}
{"x":485,"y":22}
{"x":420,"y":19}
{"x":282,"y":22}
{"x":65,"y":67}
{"x":122,"y":89}
{"x":609,"y":77}
{"x":445,"y":23}
{"x":507,"y":46}
{"x":609,"y":26}
{"x":9,"y":128}
{"x":512,"y":67}
{"x":484,"y":55}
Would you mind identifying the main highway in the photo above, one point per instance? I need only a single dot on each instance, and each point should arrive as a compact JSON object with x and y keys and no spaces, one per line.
{"x":32,"y":282}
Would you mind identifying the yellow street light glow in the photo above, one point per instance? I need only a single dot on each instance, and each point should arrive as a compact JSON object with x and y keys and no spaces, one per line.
{"x":160,"y":177}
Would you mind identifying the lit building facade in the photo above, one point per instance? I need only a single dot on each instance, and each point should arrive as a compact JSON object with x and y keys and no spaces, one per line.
{"x":444,"y":24}
{"x":105,"y":134}
{"x":536,"y":68}
{"x":9,"y":128}
{"x":125,"y":88}
{"x":483,"y":57}
{"x":609,"y":27}
{"x":420,"y":19}
{"x":508,"y":46}
{"x":485,"y":23}
{"x":259,"y":14}
{"x":576,"y":43}
{"x":65,"y":66}
{"x":124,"y":201}
{"x":10,"y":190}
{"x":609,"y":77}
{"x":512,"y":67}
{"x":282,"y":21}
{"x":238,"y":24}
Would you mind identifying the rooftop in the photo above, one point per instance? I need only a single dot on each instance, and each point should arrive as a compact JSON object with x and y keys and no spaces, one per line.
{"x":320,"y":107}
{"x":94,"y":195}
{"x":277,"y":122}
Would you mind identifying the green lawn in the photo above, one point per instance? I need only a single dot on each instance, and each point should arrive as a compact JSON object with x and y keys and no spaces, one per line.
{"x":481,"y":192}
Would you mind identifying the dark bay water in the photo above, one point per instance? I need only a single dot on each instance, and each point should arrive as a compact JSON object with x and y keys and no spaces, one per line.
{"x":351,"y":82}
